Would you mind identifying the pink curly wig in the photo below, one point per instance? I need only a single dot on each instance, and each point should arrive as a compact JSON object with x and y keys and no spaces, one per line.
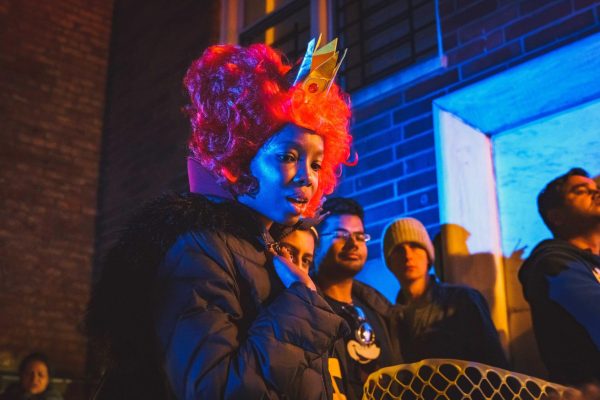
{"x":240,"y":97}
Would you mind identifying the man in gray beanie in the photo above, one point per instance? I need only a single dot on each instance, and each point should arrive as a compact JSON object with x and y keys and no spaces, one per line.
{"x":440,"y":320}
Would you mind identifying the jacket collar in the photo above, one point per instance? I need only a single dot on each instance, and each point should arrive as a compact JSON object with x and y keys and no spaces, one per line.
{"x":248,"y":219}
{"x":432,"y":287}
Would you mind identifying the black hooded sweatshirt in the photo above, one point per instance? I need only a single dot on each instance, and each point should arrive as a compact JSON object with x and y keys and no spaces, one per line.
{"x":562,"y":285}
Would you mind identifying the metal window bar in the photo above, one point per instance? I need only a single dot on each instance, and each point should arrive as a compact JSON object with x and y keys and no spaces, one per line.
{"x":297,"y":37}
{"x":360,"y":71}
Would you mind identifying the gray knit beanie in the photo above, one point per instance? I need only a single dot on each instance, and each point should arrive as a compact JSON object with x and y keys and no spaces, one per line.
{"x":407,"y":230}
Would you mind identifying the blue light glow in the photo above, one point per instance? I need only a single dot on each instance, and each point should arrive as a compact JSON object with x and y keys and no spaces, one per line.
{"x":528,"y":157}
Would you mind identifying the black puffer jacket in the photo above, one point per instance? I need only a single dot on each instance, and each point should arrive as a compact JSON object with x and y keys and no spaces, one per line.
{"x":225,"y":327}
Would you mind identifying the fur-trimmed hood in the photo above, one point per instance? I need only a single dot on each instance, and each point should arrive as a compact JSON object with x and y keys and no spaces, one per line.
{"x":189,"y":270}
{"x":123,"y":296}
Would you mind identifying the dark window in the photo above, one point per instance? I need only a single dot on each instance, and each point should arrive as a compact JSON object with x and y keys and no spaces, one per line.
{"x":287,"y":28}
{"x":383,"y":36}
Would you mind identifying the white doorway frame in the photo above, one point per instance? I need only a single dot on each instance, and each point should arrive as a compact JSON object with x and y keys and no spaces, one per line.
{"x":465,"y":121}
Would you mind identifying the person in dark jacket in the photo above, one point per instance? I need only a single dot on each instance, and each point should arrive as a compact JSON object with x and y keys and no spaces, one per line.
{"x":34,"y":381}
{"x":439,"y":320}
{"x":561,"y":279}
{"x":341,"y":255}
{"x":196,"y":301}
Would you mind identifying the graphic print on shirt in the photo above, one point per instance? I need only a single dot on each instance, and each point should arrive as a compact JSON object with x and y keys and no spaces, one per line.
{"x":335,"y":372}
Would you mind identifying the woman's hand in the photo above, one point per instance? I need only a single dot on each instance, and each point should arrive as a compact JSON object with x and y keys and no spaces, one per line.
{"x":288,"y":272}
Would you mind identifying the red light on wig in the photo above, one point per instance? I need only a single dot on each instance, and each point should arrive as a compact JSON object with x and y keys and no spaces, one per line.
{"x":240,"y":97}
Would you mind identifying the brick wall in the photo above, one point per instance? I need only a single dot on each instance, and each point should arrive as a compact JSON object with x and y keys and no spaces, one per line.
{"x":52,"y":74}
{"x":396,"y":174}
{"x":145,"y":135}
{"x":53,"y":57}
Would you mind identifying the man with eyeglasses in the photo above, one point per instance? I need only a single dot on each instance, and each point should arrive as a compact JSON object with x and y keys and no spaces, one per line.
{"x":561,"y":279}
{"x":340,"y":255}
{"x":439,"y":320}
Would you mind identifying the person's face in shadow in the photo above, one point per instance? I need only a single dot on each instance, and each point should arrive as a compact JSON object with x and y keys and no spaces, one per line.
{"x":581,"y":202}
{"x":34,"y":379}
{"x":409,"y":262}
{"x":300,"y":245}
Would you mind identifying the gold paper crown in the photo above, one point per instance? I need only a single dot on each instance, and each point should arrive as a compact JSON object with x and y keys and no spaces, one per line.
{"x":319,"y":66}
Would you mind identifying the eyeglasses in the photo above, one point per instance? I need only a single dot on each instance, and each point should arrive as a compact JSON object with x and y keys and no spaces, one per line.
{"x":345,"y":235}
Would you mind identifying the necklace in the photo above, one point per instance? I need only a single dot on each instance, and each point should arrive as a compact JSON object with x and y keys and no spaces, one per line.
{"x":363,"y":349}
{"x":363,"y":331}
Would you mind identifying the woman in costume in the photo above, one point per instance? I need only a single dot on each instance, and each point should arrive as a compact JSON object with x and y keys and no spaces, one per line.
{"x":194,"y":301}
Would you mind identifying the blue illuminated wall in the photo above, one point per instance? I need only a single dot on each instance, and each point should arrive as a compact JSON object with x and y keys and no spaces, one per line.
{"x":393,"y":124}
{"x":543,"y":117}
{"x":530,"y":156}
{"x":500,"y":140}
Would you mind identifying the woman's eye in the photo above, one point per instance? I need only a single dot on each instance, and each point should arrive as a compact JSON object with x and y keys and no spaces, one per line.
{"x":306,"y":263}
{"x":287,"y":157}
{"x":316,"y":166}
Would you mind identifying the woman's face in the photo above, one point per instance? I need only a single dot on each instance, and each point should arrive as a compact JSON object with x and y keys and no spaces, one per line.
{"x":300,"y":245}
{"x":287,"y":169}
{"x":35,"y":377}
